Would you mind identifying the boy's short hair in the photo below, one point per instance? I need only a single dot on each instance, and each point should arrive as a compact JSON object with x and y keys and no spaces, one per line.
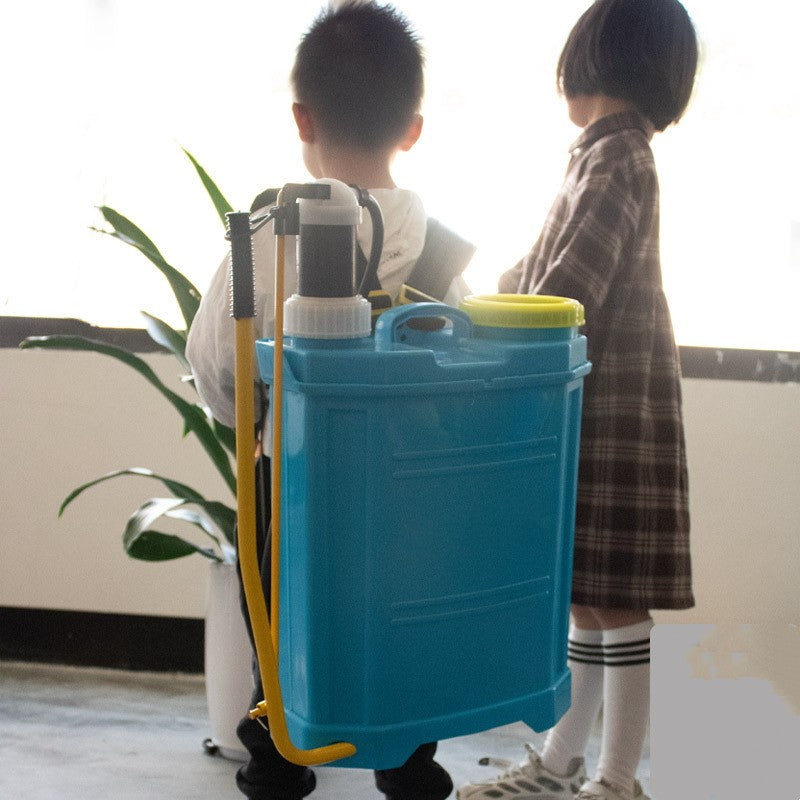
{"x":642,"y":51}
{"x":359,"y":70}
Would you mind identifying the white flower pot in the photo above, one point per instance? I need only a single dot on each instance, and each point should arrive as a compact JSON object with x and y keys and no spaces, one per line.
{"x":228,"y":660}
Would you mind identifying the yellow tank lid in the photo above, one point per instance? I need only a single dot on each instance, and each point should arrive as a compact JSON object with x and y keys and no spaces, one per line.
{"x":523,"y":311}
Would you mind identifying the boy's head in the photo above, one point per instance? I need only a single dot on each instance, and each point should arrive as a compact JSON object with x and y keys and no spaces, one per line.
{"x":641,"y":51}
{"x":359,"y":73}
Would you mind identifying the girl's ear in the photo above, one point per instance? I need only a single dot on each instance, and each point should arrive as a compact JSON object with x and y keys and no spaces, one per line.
{"x":304,"y":122}
{"x":412,"y":134}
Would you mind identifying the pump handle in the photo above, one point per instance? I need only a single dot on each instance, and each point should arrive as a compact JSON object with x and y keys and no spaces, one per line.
{"x":242,"y":292}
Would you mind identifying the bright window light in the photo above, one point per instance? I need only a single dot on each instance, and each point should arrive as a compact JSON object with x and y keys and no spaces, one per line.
{"x":100,"y":97}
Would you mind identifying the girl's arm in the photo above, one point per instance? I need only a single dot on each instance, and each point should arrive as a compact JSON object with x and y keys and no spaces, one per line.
{"x":509,"y":282}
{"x":606,"y":220}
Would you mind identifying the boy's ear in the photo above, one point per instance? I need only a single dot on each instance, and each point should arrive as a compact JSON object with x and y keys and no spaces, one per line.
{"x":412,"y":134}
{"x":304,"y":122}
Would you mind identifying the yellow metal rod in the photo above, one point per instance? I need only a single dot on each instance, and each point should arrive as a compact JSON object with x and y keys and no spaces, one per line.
{"x":277,"y":449}
{"x":263,"y":630}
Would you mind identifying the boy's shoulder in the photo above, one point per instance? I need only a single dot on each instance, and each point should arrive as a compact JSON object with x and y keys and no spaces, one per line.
{"x":265,"y":199}
{"x":445,"y":254}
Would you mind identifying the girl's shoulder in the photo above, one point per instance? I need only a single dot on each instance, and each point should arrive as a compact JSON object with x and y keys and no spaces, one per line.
{"x":625,"y":145}
{"x":627,"y":129}
{"x":623,"y":155}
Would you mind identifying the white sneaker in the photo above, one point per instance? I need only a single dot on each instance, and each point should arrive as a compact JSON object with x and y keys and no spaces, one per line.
{"x":602,"y":790}
{"x":530,"y":780}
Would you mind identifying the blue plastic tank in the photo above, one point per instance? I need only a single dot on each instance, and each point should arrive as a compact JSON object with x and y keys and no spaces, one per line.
{"x":428,"y":500}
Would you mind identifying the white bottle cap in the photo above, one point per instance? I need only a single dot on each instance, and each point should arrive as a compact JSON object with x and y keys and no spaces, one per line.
{"x":327,"y":317}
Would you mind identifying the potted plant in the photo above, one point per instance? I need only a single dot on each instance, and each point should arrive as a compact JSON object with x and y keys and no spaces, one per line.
{"x":227,"y":646}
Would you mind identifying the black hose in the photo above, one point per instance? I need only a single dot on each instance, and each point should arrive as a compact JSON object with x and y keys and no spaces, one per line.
{"x":371,"y":204}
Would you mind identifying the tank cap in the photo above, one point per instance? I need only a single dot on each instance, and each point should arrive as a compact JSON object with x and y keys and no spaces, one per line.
{"x":327,"y":317}
{"x":523,"y":311}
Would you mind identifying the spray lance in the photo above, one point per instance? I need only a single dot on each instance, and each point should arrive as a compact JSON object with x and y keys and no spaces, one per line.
{"x":328,"y":305}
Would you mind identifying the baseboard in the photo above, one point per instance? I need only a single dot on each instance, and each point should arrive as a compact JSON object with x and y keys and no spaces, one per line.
{"x":116,"y":641}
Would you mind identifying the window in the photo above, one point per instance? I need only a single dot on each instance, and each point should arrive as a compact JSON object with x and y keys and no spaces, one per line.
{"x":104,"y":99}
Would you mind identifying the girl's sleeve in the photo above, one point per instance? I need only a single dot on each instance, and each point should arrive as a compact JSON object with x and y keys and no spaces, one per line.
{"x":509,"y":281}
{"x":599,"y":231}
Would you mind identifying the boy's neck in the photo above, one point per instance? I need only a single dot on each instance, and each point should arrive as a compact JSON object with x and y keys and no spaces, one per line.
{"x":367,"y":170}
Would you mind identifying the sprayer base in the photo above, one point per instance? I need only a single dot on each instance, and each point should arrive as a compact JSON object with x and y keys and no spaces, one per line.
{"x":390,"y":746}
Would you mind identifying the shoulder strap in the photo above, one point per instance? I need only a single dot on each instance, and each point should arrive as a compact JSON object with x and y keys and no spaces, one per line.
{"x":444,"y":257}
{"x":267,"y":198}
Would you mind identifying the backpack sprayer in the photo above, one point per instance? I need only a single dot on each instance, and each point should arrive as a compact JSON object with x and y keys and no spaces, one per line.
{"x":325,"y":283}
{"x":423,"y":498}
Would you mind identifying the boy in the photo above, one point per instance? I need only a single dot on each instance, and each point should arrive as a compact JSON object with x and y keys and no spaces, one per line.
{"x":358,"y":85}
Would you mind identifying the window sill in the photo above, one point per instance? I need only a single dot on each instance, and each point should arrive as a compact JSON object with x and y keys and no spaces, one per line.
{"x":714,"y":363}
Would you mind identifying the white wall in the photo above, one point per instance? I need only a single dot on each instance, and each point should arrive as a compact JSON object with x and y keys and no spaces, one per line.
{"x":744,"y":481}
{"x":56,"y":430}
{"x":67,"y":418}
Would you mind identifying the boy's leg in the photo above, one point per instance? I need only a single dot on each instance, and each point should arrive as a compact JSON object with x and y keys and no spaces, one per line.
{"x":420,"y":778}
{"x":267,"y":775}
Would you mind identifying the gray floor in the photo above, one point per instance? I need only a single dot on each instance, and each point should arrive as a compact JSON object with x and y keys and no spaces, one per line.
{"x":87,"y":734}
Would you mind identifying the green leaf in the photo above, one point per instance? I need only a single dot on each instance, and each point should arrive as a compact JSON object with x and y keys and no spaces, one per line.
{"x":186,"y":293}
{"x":177,"y":489}
{"x":194,"y":517}
{"x":144,"y":516}
{"x":129,"y":233}
{"x":224,"y":517}
{"x":141,"y":542}
{"x":220,"y":203}
{"x":200,"y":520}
{"x":166,"y":336}
{"x":157,"y":546}
{"x":226,"y":435}
{"x":194,"y":418}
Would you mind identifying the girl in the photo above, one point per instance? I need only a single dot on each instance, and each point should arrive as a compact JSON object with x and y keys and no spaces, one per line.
{"x":626,"y":71}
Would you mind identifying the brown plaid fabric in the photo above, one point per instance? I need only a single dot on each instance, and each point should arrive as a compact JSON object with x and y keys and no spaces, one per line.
{"x":600,"y":246}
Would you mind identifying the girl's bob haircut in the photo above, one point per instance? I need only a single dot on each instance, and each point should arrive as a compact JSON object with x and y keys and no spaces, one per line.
{"x":642,"y":51}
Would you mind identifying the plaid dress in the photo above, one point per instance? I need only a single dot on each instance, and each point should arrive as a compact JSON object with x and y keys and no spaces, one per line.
{"x":600,"y":246}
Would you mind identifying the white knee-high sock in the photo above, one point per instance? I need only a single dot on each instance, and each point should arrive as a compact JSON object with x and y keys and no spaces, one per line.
{"x":626,"y":702}
{"x":570,"y":735}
